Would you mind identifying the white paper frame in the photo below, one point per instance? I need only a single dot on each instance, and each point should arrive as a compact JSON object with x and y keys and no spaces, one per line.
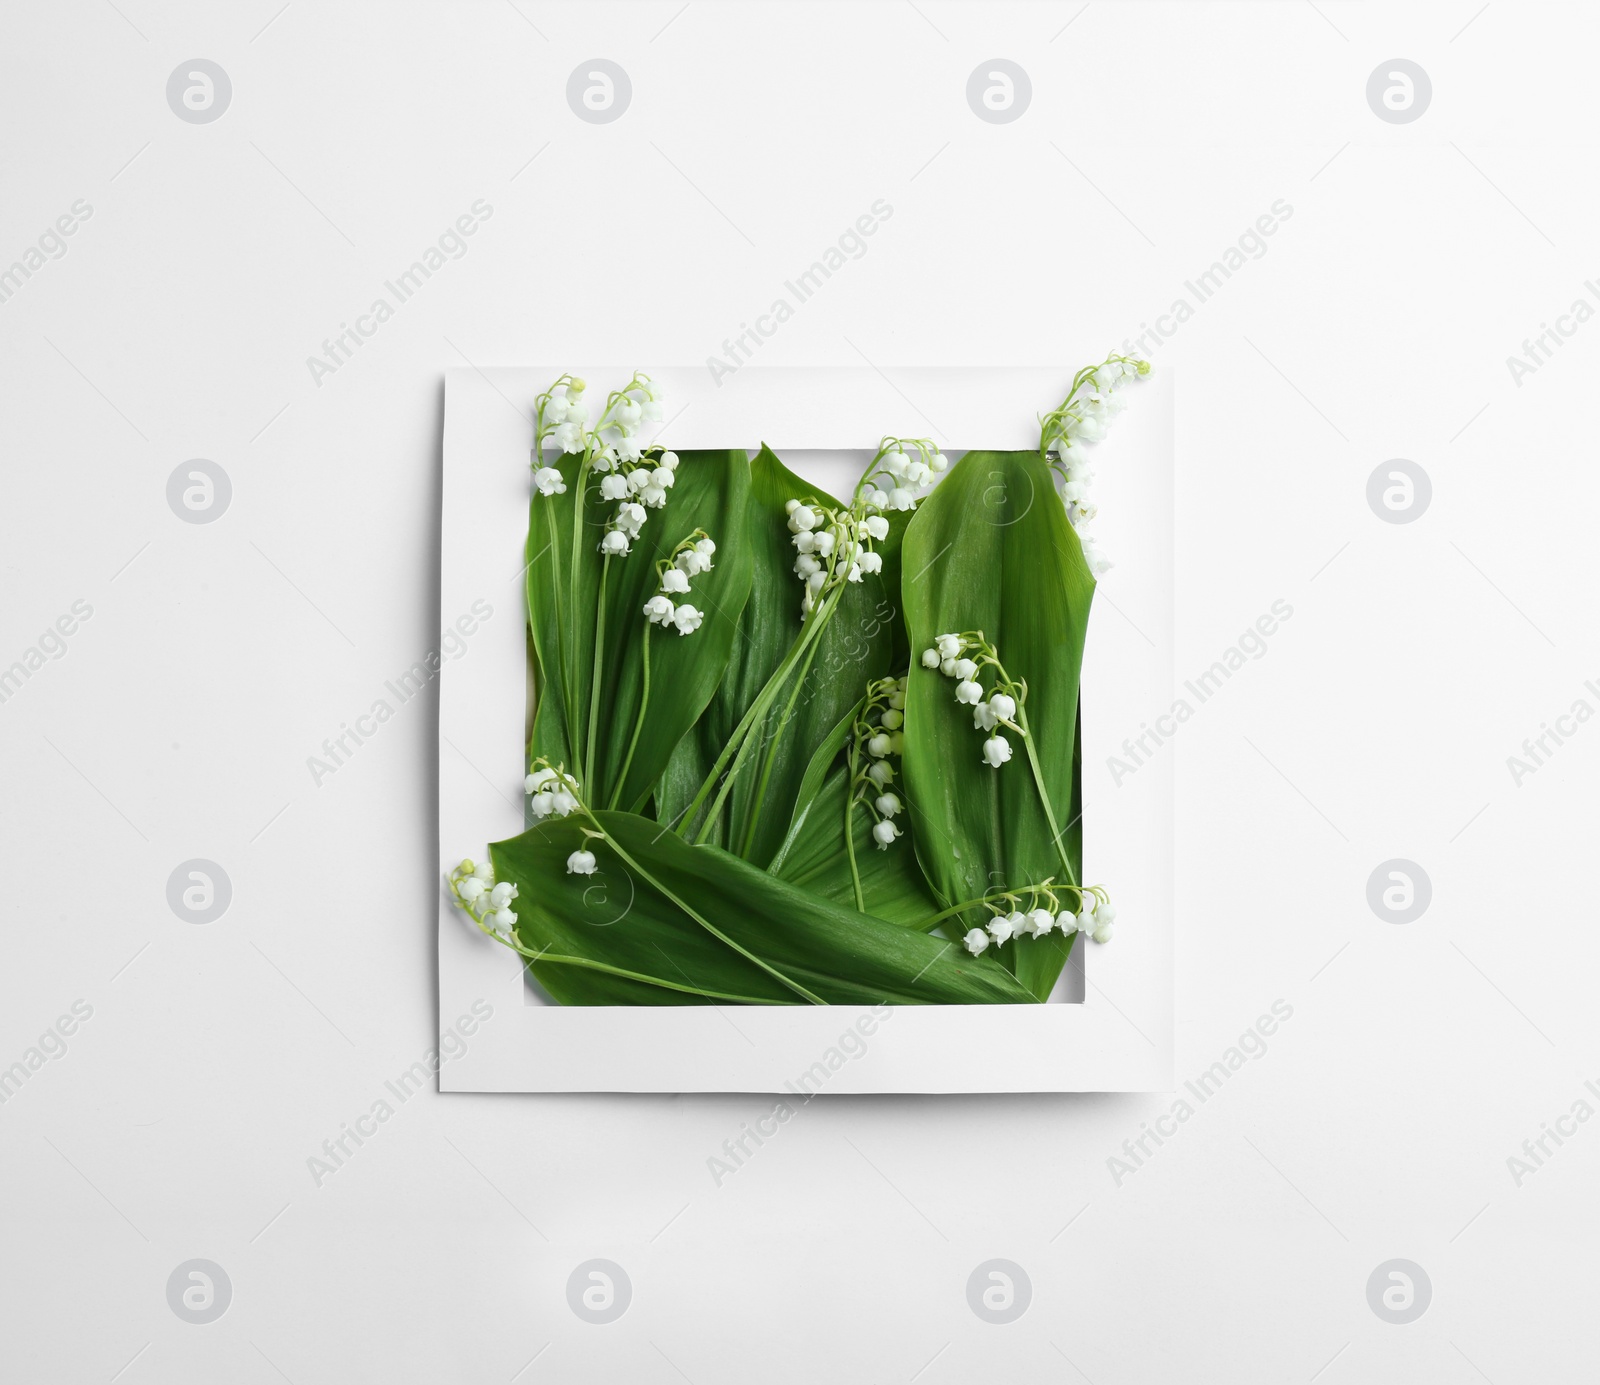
{"x":1118,"y":1039}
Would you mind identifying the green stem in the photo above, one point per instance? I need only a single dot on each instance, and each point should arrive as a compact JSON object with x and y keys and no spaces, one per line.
{"x":850,"y":823}
{"x":580,"y":486}
{"x":737,"y":740}
{"x":757,"y":714}
{"x":772,"y":753}
{"x":599,"y":662}
{"x":1044,"y":796}
{"x":704,"y":922}
{"x":638,"y":726}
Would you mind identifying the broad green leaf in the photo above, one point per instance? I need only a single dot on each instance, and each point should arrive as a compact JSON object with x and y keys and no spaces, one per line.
{"x":659,"y":911}
{"x":892,"y":884}
{"x":855,"y":646}
{"x":991,"y":549}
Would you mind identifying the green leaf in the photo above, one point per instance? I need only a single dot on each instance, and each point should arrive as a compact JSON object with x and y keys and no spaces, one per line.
{"x":991,"y":549}
{"x":593,"y":732}
{"x":893,"y":886}
{"x":855,"y":647}
{"x":577,"y":981}
{"x":658,"y":911}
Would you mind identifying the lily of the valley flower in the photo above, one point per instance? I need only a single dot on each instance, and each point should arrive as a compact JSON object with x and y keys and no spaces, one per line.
{"x":581,"y":863}
{"x":996,"y":751}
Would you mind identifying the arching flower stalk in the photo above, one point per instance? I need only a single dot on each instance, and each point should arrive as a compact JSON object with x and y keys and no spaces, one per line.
{"x":965,"y":658}
{"x":840,"y":545}
{"x":876,"y":741}
{"x":1083,"y":418}
{"x":1034,"y":911}
{"x":689,"y":559}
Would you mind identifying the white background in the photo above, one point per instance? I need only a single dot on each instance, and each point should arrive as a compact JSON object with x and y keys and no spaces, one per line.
{"x":1379,"y":1122}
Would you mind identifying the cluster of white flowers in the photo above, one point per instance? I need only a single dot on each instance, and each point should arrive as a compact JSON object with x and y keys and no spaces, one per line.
{"x":689,"y":559}
{"x":952,"y":656}
{"x":877,"y":733}
{"x":1084,"y":418}
{"x":1045,"y":912}
{"x":635,"y":476}
{"x":641,"y":484}
{"x":487,"y":904}
{"x":837,"y":546}
{"x":554,"y":792}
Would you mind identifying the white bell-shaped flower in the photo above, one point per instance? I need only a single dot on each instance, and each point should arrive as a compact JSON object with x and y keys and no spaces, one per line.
{"x":871,"y":563}
{"x":996,"y":751}
{"x":969,"y":693}
{"x":547,"y":481}
{"x":614,"y":543}
{"x":1003,"y":706}
{"x":581,"y":863}
{"x":883,"y":833}
{"x":613,"y":487}
{"x":659,"y":609}
{"x":949,"y":646}
{"x":975,"y":941}
{"x":687,"y":619}
{"x":888,"y":804}
{"x":881,"y":773}
{"x":674,"y":580}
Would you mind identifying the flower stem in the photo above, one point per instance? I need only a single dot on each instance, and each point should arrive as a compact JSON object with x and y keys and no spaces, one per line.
{"x":638,"y":726}
{"x":850,"y":823}
{"x":1044,"y":795}
{"x":772,"y":751}
{"x":599,"y":661}
{"x":739,"y":740}
{"x":573,"y":571}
